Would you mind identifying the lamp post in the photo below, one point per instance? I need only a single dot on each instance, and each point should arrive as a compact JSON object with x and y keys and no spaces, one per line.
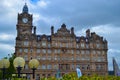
{"x":33,"y":64}
{"x":4,"y":64}
{"x":19,"y":63}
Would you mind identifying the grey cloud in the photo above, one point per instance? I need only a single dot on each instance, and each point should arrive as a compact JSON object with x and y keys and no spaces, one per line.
{"x":84,"y":12}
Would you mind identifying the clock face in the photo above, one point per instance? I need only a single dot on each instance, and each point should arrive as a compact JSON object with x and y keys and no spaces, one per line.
{"x":25,"y":20}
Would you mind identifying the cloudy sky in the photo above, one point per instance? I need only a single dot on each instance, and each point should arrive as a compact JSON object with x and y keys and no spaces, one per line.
{"x":100,"y":16}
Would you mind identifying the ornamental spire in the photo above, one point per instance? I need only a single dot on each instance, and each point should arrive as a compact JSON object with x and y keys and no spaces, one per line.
{"x":25,"y":8}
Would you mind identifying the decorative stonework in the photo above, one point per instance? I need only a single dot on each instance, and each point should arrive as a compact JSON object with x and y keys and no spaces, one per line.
{"x":61,"y":50}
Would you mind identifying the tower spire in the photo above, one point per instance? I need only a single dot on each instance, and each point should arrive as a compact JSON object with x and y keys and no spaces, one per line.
{"x":25,"y":8}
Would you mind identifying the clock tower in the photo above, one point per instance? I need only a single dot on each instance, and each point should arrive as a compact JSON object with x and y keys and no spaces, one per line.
{"x":24,"y":23}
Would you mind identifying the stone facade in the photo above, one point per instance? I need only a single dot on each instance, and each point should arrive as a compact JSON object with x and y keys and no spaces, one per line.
{"x":62,"y":50}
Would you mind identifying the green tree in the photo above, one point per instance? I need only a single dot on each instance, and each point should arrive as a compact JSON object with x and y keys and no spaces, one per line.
{"x":11,"y":69}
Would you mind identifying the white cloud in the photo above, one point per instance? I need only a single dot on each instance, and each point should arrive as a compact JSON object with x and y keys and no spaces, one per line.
{"x":42,"y":3}
{"x":114,"y":51}
{"x":6,"y":49}
{"x":102,"y":29}
{"x":106,"y":29}
{"x":6,"y":37}
{"x":36,"y":18}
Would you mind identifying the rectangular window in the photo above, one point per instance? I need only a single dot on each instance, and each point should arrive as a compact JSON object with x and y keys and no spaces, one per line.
{"x":60,"y":44}
{"x":38,"y":57}
{"x":49,"y":66}
{"x":43,"y":66}
{"x":43,"y":51}
{"x":72,"y":52}
{"x":26,"y":66}
{"x":77,"y":46}
{"x":98,"y":45}
{"x":55,"y":51}
{"x":78,"y":65}
{"x":87,"y":52}
{"x":38,"y":51}
{"x":48,"y":45}
{"x":49,"y":57}
{"x":49,"y":51}
{"x":38,"y":67}
{"x":20,"y":50}
{"x":77,"y":58}
{"x":82,"y":45}
{"x":43,"y":58}
{"x":82,"y":52}
{"x":58,"y":50}
{"x":25,"y":43}
{"x":91,"y":45}
{"x":67,"y":45}
{"x":72,"y":66}
{"x":78,"y":52}
{"x":72,"y":58}
{"x":55,"y":66}
{"x":31,"y":50}
{"x":93,"y":52}
{"x":98,"y":52}
{"x":43,"y":43}
{"x":87,"y":46}
{"x":55,"y":58}
{"x":26,"y":58}
{"x":26,"y":50}
{"x":38,"y":45}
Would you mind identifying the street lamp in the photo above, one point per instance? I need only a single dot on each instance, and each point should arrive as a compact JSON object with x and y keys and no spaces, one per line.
{"x":33,"y":64}
{"x":4,"y":64}
{"x":19,"y":63}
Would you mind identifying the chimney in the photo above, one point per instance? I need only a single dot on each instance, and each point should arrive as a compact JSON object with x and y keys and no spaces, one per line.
{"x":35,"y":30}
{"x":52,"y":30}
{"x":72,"y":30}
{"x":88,"y":33}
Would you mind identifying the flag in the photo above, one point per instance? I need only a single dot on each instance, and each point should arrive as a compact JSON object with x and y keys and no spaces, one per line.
{"x":116,"y":68}
{"x":79,"y":74}
{"x":58,"y":74}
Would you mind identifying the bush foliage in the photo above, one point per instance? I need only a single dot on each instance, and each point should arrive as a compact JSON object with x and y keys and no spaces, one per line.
{"x":73,"y":76}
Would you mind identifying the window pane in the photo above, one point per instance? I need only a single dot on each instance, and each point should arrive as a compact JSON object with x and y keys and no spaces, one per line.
{"x":43,"y":66}
{"x":49,"y":66}
{"x":43,"y":43}
{"x":49,"y":51}
{"x":82,"y":45}
{"x":20,"y":50}
{"x":26,"y":43}
{"x":38,"y":51}
{"x":43,"y":51}
{"x":26,"y":50}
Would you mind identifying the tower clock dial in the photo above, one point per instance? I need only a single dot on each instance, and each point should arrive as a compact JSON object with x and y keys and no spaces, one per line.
{"x":25,"y":20}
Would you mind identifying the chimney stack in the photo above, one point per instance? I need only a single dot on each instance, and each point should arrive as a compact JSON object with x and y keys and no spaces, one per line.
{"x":88,"y":33}
{"x":52,"y":30}
{"x":72,"y":30}
{"x":35,"y":30}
